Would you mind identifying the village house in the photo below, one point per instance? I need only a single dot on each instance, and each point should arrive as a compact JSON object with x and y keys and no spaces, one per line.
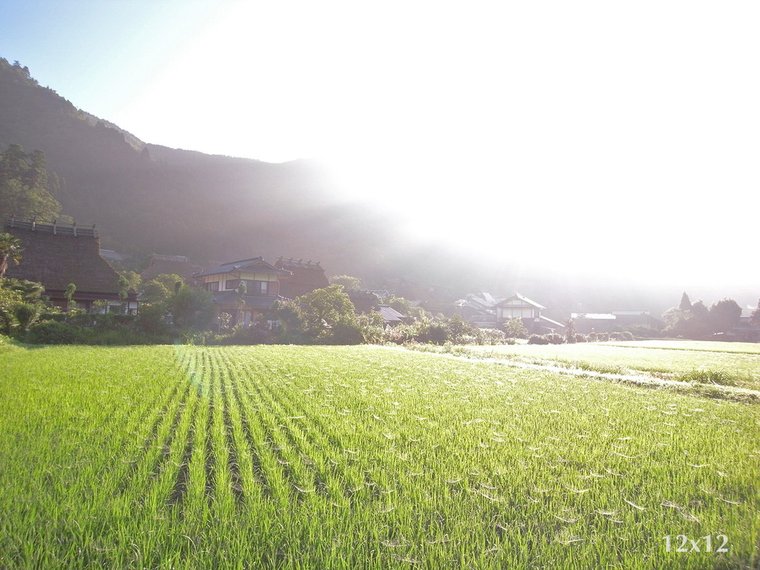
{"x":520,"y":307}
{"x":170,"y":264}
{"x":59,"y":254}
{"x":615,"y":321}
{"x":366,"y":302}
{"x":261,"y":286}
{"x":301,"y":277}
{"x":391,"y":317}
{"x":747,"y":330}
{"x":478,"y":309}
{"x":593,"y":322}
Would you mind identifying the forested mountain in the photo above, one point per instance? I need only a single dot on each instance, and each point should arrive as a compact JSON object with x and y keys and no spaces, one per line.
{"x":152,"y":199}
{"x":146,"y":198}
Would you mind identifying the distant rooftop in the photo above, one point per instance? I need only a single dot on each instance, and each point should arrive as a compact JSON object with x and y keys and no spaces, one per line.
{"x":594,"y":316}
{"x":390,"y":315}
{"x":162,"y":257}
{"x":522,"y":298}
{"x":630,"y":313}
{"x":251,"y":264}
{"x":289,"y":262}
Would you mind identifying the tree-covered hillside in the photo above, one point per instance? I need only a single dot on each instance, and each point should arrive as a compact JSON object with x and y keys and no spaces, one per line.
{"x":146,"y":198}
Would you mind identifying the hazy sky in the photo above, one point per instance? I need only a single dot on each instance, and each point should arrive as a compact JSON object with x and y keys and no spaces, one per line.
{"x":608,"y":137}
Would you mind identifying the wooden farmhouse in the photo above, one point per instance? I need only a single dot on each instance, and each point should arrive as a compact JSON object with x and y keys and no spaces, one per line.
{"x":520,"y":307}
{"x":59,"y":254}
{"x":262,"y":288}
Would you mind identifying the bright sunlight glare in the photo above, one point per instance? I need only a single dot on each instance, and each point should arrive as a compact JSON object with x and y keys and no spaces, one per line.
{"x":594,"y":137}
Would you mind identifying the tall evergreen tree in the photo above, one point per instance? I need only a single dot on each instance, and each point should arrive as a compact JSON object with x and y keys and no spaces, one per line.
{"x":685,"y":302}
{"x":26,"y":190}
{"x":725,"y":315}
{"x":755,"y":318}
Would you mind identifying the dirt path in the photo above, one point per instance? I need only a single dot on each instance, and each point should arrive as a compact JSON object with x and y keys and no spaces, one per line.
{"x":638,"y":379}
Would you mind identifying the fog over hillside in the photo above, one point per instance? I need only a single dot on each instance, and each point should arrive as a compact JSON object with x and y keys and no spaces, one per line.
{"x":146,"y":198}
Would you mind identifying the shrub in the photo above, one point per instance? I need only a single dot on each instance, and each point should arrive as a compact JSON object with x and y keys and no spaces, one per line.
{"x":621,"y":336}
{"x":514,"y":328}
{"x":493,"y":336}
{"x":554,"y":338}
{"x":433,"y":332}
{"x":402,"y":334}
{"x":53,"y":332}
{"x":537,"y":339}
{"x":346,"y":332}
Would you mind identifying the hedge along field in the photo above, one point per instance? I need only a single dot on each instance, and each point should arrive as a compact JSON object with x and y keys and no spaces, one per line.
{"x":346,"y":457}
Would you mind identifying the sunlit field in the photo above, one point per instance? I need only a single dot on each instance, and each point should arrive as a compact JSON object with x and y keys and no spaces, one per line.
{"x":356,"y":457}
{"x":723,"y":363}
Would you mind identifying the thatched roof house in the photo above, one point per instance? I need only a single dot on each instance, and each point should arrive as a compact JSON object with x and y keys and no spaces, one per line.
{"x":303,"y":277}
{"x":167,"y":264}
{"x":57,"y":254}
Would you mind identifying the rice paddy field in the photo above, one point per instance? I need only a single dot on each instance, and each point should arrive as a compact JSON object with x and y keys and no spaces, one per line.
{"x":724,"y":363}
{"x":363,"y":457}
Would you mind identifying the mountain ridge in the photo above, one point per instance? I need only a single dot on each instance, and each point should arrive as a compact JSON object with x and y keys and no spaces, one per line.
{"x":148,"y":198}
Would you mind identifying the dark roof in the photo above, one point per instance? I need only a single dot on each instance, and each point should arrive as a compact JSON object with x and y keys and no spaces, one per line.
{"x":390,"y":315}
{"x":522,"y":298}
{"x":303,"y":278}
{"x":252,"y":264}
{"x":178,"y":264}
{"x":290,"y":263}
{"x":56,"y":256}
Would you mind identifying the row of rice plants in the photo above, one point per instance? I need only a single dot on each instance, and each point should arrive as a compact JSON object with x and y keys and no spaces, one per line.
{"x":358,"y":457}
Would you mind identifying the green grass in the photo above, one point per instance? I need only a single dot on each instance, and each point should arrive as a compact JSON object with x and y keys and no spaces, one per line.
{"x":332,"y":457}
{"x":731,"y":364}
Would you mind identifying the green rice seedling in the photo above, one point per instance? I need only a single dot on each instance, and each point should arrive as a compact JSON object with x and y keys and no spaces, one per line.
{"x":345,"y":457}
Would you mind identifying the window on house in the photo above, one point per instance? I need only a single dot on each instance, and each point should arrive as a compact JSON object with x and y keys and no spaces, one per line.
{"x":232,"y":284}
{"x":264,"y":289}
{"x":212,"y":286}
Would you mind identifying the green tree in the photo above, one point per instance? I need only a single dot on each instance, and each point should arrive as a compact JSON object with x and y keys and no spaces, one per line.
{"x":458,"y":329}
{"x":27,"y":314}
{"x":514,"y":328}
{"x":241,"y":291}
{"x":349,"y":282}
{"x":69,"y":293}
{"x":372,"y":327}
{"x":685,"y":304}
{"x":191,"y":308}
{"x":570,"y":331}
{"x":26,"y":190}
{"x":133,"y":280}
{"x":159,"y":289}
{"x":755,"y":317}
{"x":725,"y":315}
{"x":405,"y":307}
{"x":9,"y":300}
{"x":10,"y":251}
{"x":323,"y":309}
{"x":292,"y":324}
{"x":696,"y":321}
{"x":21,"y":304}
